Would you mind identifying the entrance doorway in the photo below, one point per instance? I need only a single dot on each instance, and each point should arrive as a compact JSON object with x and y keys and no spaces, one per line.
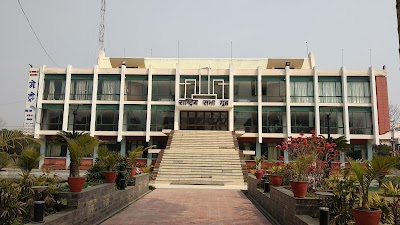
{"x":200,"y":120}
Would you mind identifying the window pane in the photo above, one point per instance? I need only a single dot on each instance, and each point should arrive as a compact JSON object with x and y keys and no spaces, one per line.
{"x":81,"y":90}
{"x":52,"y":119}
{"x":54,"y":90}
{"x":136,"y":90}
{"x":108,"y":90}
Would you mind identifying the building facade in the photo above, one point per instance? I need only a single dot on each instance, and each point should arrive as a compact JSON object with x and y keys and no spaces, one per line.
{"x":135,"y":101}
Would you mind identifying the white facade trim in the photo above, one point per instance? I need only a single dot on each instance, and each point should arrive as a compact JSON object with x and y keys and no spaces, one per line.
{"x":94,"y":100}
{"x":38,"y":119}
{"x":149,"y":94}
{"x":316,"y":100}
{"x":375,"y":124}
{"x":66,"y":98}
{"x":121,"y":104}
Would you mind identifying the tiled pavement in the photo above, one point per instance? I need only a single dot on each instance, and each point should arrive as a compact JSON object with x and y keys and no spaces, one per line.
{"x":190,"y":206}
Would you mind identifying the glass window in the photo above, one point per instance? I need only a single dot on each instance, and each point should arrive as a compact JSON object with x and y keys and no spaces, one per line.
{"x":221,"y":88}
{"x":245,"y":118}
{"x":249,"y":146}
{"x":270,"y":152}
{"x":302,"y":119}
{"x":107,"y":119}
{"x":358,"y":90}
{"x":81,"y":87}
{"x":52,"y":117}
{"x":245,"y":89}
{"x":358,"y":151}
{"x":273,"y":89}
{"x":274,"y":120}
{"x":162,"y":117}
{"x":136,"y":88}
{"x":132,"y":144}
{"x":109,"y":87}
{"x":112,"y":145}
{"x":54,"y":90}
{"x":360,"y":120}
{"x":135,"y":118}
{"x":335,"y":122}
{"x":301,"y":89}
{"x":163,"y":88}
{"x":53,"y":150}
{"x":82,"y":118}
{"x":330,"y":90}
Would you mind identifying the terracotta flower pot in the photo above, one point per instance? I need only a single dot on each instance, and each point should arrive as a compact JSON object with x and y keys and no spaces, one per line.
{"x":75,"y":184}
{"x":259,"y":174}
{"x":299,"y":188}
{"x":110,"y":176}
{"x":276,"y":180}
{"x":367,"y":217}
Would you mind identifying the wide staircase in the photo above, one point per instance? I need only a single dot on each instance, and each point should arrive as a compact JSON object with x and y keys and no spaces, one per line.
{"x":200,"y":158}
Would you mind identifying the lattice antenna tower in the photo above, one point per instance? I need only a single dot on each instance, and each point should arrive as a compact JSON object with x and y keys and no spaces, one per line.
{"x":102,"y":27}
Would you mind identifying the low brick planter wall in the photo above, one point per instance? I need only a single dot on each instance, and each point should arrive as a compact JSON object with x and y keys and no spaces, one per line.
{"x":95,"y":204}
{"x":282,"y":206}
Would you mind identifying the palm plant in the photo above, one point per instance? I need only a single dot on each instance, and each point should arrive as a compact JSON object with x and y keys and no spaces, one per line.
{"x":258,"y":161}
{"x":79,"y":145}
{"x":29,"y":159}
{"x":137,"y":152}
{"x":10,"y":139}
{"x":365,"y":173}
{"x":108,"y":157}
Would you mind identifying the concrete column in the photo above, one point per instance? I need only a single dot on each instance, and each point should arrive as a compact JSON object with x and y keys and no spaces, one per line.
{"x":288,"y":114}
{"x":38,"y":119}
{"x":374,"y":107}
{"x":316,"y":100}
{"x":121,"y":104}
{"x":149,"y":93}
{"x":66,"y":98}
{"x":258,"y":149}
{"x":94,"y":100}
{"x":67,"y":160}
{"x":177,"y":95}
{"x":369,"y":153}
{"x":231,"y":86}
{"x":95,"y":153}
{"x":259,"y":108}
{"x":42,"y":152}
{"x":346,"y":105}
{"x":123,"y":147}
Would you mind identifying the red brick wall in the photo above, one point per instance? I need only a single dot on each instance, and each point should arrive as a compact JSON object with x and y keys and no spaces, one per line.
{"x":383,"y":104}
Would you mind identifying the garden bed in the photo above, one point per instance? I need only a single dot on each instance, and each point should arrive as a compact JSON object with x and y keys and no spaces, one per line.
{"x":282,"y":206}
{"x":95,"y":204}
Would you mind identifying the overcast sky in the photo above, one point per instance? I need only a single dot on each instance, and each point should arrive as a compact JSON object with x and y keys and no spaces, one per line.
{"x":258,"y":28}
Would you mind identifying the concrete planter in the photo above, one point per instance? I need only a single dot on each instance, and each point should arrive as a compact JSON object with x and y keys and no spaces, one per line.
{"x":95,"y":204}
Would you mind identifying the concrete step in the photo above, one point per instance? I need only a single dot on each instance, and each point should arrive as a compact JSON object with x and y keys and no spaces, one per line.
{"x":202,"y":170}
{"x":205,"y":175}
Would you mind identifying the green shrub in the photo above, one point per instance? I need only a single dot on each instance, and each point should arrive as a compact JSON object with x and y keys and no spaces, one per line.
{"x":17,"y":199}
{"x":29,"y":159}
{"x":96,"y":172}
{"x":4,"y":159}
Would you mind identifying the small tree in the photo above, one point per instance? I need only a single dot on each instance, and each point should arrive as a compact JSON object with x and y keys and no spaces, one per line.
{"x":11,"y":139}
{"x":79,"y":145}
{"x":29,"y":159}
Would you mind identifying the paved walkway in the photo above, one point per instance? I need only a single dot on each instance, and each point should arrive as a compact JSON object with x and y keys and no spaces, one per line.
{"x":190,"y":206}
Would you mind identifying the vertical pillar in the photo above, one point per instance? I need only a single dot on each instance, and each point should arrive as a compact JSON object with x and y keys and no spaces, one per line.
{"x":369,"y":153}
{"x":259,"y":100}
{"x":123,"y":147}
{"x":288,"y":114}
{"x":316,"y":102}
{"x":38,"y":119}
{"x":231,"y":98}
{"x":177,"y":96}
{"x":121,"y":104}
{"x":258,"y":148}
{"x":42,"y":152}
{"x":67,"y":160}
{"x":149,"y":93}
{"x":94,"y":100}
{"x":374,"y":107}
{"x":95,"y":153}
{"x":66,"y":98}
{"x":346,"y":121}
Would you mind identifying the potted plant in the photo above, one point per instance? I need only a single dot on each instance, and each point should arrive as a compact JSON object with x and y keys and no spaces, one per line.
{"x":110,"y":160}
{"x":80,"y":144}
{"x":259,"y":173}
{"x":29,"y":159}
{"x":365,"y":173}
{"x":276,"y":176}
{"x":137,"y":153}
{"x":300,"y":169}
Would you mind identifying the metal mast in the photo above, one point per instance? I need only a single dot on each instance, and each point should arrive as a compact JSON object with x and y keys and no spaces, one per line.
{"x":102,"y":27}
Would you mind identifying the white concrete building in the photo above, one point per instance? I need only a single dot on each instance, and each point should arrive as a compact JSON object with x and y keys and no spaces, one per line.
{"x":130,"y":101}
